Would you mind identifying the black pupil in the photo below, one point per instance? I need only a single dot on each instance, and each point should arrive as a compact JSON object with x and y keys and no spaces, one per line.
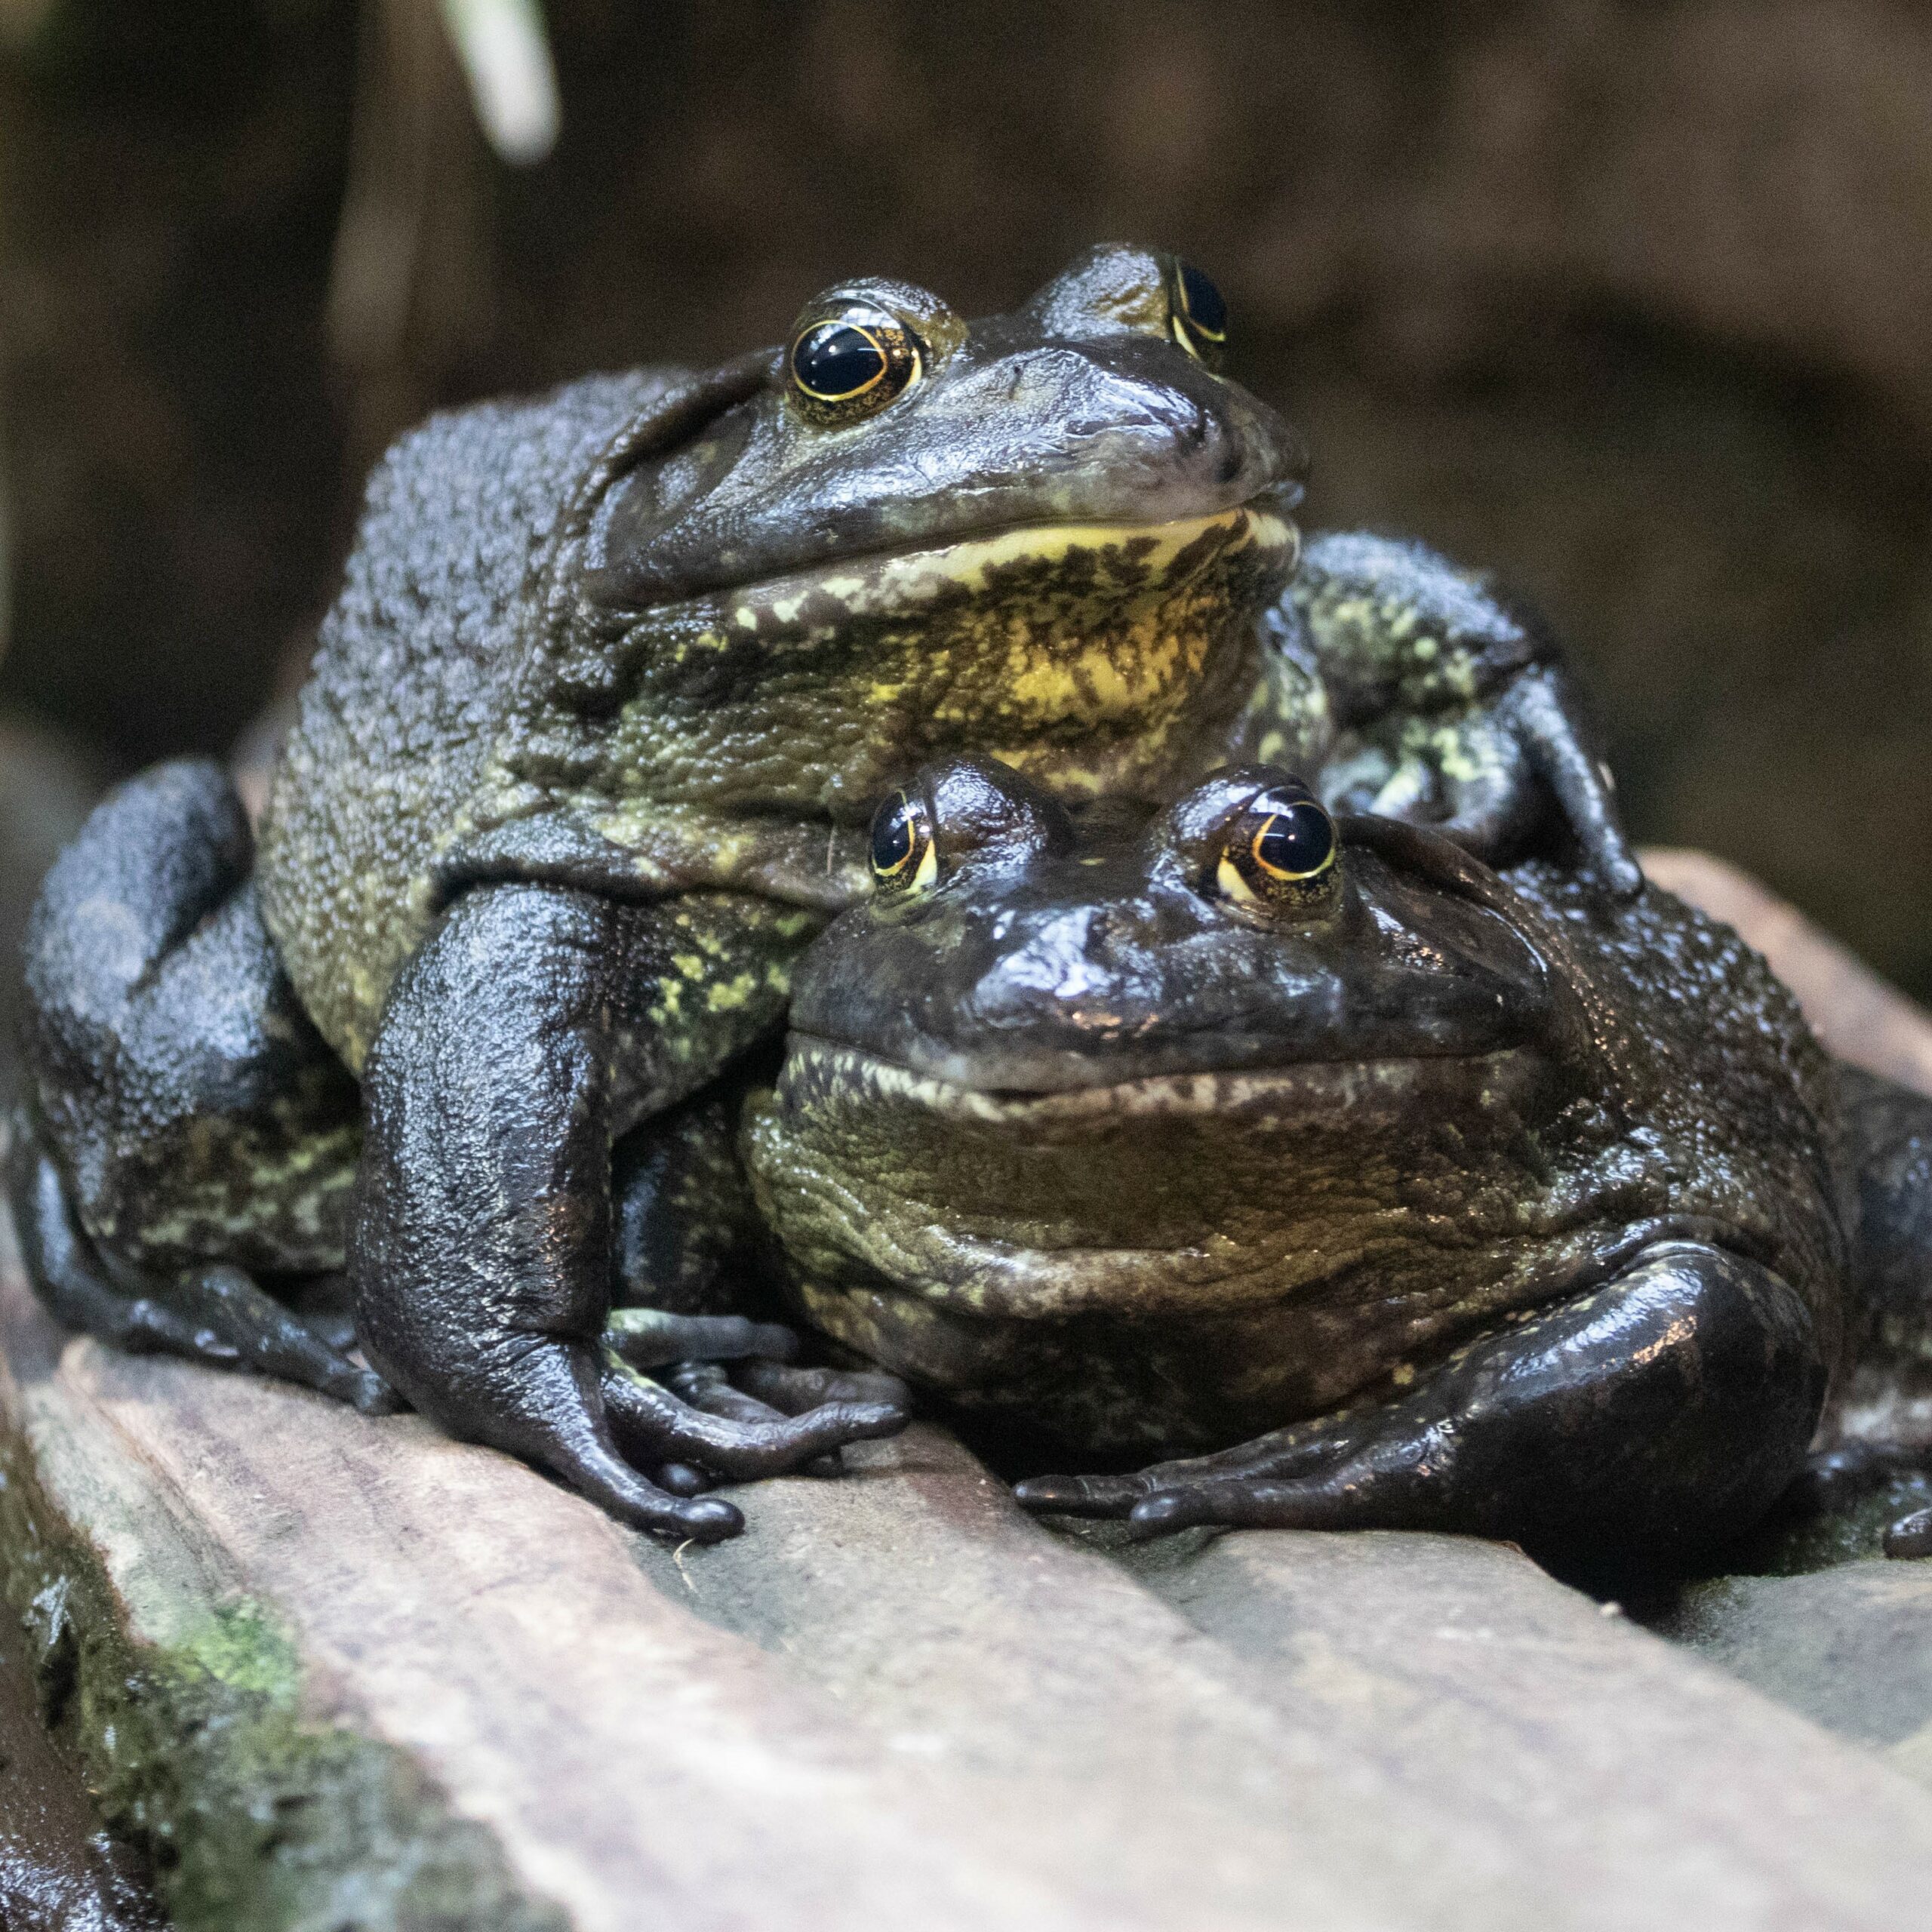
{"x":893,"y":836}
{"x":835,"y":359}
{"x":1298,"y":839}
{"x":1206,"y":308}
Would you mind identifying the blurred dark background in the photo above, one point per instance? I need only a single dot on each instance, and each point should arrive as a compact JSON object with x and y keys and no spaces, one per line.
{"x":1633,"y":301}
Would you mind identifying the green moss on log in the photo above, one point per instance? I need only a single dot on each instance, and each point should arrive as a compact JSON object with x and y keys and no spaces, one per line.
{"x":253,"y":1817}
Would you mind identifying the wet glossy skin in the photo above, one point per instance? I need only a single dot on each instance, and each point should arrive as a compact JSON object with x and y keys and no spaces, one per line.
{"x":592,"y":736}
{"x":1485,"y":1204}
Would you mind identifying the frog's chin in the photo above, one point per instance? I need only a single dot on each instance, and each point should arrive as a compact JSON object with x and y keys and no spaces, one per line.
{"x":1184,"y":1195}
{"x":1101,"y":659}
{"x":1334,"y":1094}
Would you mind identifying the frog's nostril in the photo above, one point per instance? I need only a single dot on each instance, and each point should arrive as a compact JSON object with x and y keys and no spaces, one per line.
{"x":1064,"y":964}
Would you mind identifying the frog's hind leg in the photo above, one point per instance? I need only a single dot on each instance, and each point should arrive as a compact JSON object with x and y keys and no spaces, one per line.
{"x":213,"y":1313}
{"x":1884,"y":1426}
{"x":187,"y":1125}
{"x":1652,"y":1418}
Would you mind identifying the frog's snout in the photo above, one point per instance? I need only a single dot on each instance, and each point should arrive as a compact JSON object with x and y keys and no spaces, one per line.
{"x":1230,"y":447}
{"x":1085,"y":969}
{"x":1161,"y":448}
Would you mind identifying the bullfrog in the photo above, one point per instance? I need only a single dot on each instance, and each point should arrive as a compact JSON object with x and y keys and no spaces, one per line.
{"x":1245,"y":1164}
{"x":587,"y":757}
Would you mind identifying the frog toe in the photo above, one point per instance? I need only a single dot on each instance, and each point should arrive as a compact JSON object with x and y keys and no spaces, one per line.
{"x":706,"y":1385}
{"x":1171,"y":1510}
{"x":1318,"y":1503}
{"x":243,"y":1324}
{"x":1081,"y":1496}
{"x":793,"y":1391}
{"x":367,"y":1393}
{"x":655,"y":1423}
{"x":604,"y":1477}
{"x":648,"y":1338}
{"x":683,"y":1479}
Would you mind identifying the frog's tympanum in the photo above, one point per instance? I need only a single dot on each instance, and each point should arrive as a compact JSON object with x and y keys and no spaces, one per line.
{"x":592,"y":740}
{"x":1390,"y":1190}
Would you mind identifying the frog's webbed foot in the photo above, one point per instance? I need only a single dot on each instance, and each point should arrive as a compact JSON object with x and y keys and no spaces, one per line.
{"x":1663,"y":1412}
{"x":738,"y":1367}
{"x":1282,"y":1455}
{"x":738,"y":1373}
{"x":601,"y":1426}
{"x":213,"y":1313}
{"x":1531,"y":735}
{"x":762,"y":1391}
{"x":696,"y":1418}
{"x":685,"y":1222}
{"x":1451,"y":701}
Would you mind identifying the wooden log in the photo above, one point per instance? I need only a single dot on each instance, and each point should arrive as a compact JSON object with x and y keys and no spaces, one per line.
{"x":896,"y":1698}
{"x":1582,"y":1772}
{"x":1850,"y":1647}
{"x":494,"y":1643}
{"x":1637,"y":1784}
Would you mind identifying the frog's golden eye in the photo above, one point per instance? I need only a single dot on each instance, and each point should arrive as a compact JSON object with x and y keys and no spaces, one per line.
{"x":904,"y":859}
{"x":1280,"y":853}
{"x":849,"y":366}
{"x":1199,"y":314}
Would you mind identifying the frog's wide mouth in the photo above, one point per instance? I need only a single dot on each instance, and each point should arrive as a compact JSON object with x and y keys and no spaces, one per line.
{"x":819,"y":1074}
{"x":1041,"y":1206}
{"x":1113,"y":562}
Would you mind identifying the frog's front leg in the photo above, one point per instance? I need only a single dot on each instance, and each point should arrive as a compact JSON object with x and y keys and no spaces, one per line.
{"x":1658,"y":1414}
{"x":481,"y":1247}
{"x":1448,"y":701}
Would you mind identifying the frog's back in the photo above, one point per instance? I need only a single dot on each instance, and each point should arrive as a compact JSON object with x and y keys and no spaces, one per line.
{"x":419,"y":664}
{"x":1722,"y":1082}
